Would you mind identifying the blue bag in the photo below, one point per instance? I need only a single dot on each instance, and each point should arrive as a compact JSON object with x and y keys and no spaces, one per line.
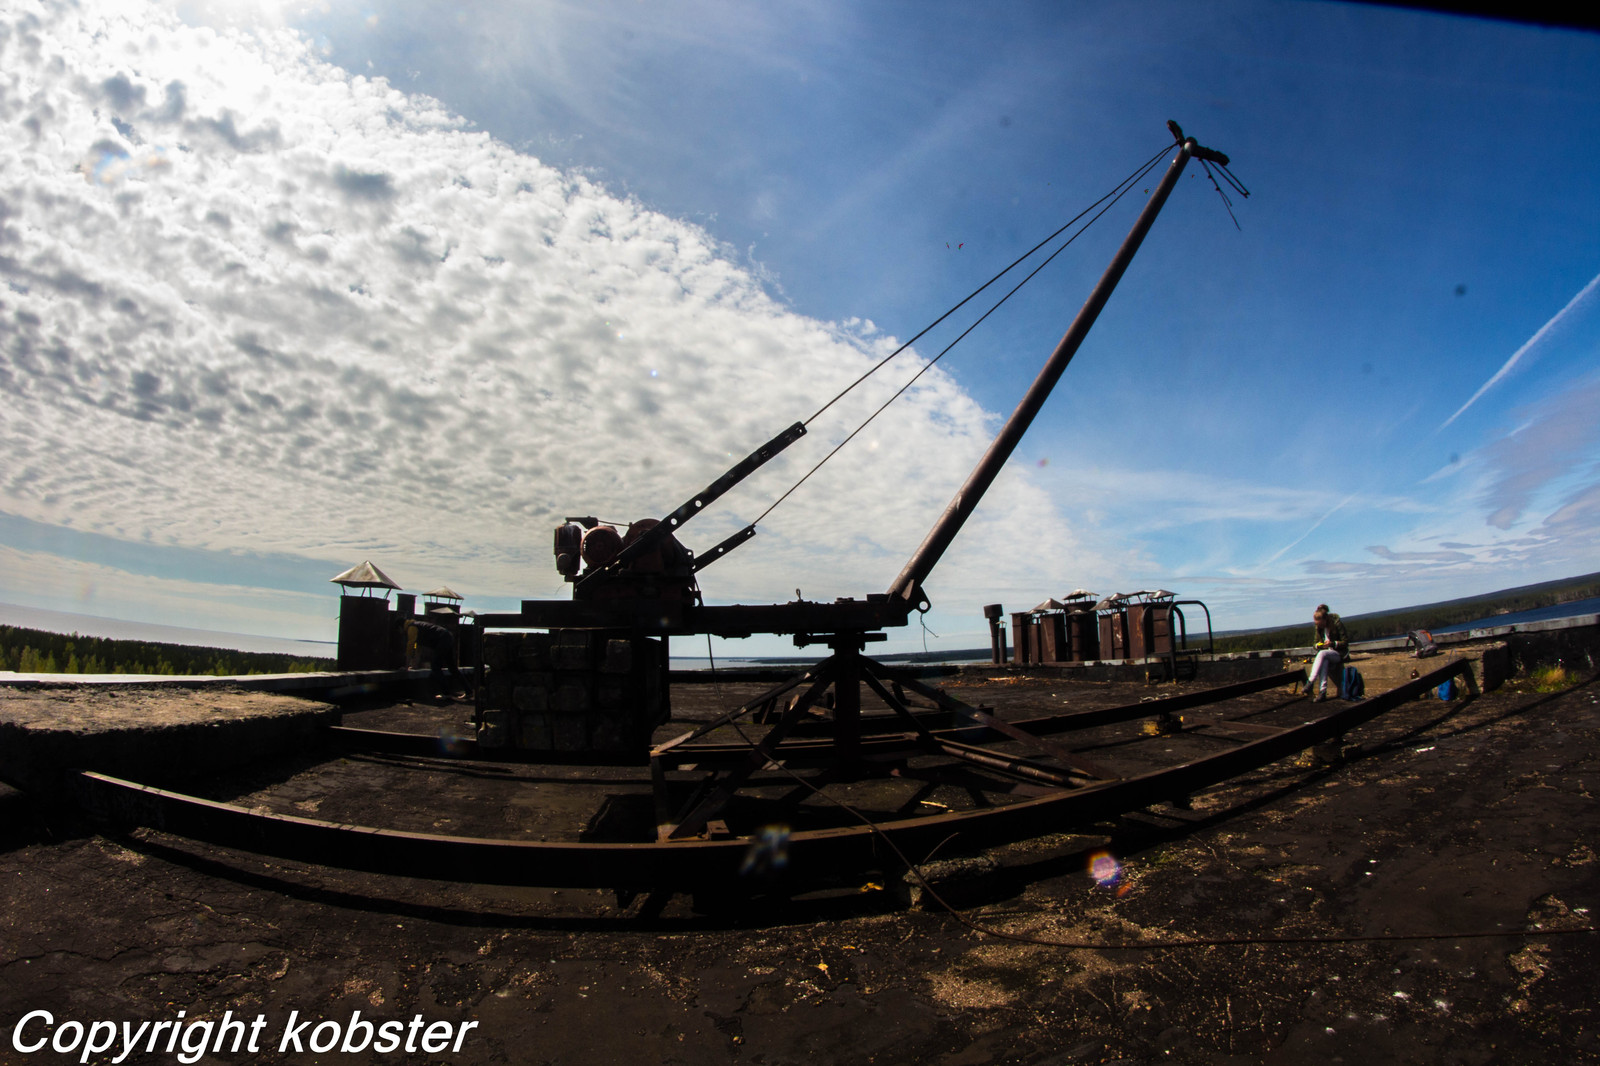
{"x":1351,"y":686}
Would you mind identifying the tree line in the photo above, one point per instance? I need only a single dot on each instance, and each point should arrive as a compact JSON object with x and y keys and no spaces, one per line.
{"x":34,"y":651}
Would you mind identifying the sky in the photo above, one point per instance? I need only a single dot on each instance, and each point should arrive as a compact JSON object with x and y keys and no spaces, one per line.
{"x":290,"y":286}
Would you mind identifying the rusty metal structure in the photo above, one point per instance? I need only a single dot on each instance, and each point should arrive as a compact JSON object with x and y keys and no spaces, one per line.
{"x":633,"y":589}
{"x":585,"y":681}
{"x":1137,"y":627}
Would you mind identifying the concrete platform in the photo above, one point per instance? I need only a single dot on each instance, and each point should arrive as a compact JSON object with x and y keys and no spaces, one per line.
{"x":155,"y":733}
{"x":162,"y":728}
{"x":331,"y":683}
{"x":1422,"y":901}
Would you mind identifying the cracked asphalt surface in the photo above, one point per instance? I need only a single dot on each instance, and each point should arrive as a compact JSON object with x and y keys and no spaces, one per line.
{"x":1424,"y":900}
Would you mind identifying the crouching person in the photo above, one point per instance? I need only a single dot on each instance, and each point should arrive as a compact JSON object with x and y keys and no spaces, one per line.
{"x":442,"y":652}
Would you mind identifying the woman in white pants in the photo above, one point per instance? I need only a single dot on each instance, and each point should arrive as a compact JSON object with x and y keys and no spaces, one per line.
{"x":1331,"y":650}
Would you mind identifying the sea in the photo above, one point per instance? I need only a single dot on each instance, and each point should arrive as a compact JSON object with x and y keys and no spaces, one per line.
{"x":1536,"y":614}
{"x":117,"y":629}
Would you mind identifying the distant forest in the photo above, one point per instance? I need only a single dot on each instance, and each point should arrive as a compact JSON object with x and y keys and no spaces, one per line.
{"x":1426,"y":616}
{"x":33,"y":651}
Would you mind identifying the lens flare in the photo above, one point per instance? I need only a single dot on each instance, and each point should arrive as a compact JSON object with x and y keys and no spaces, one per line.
{"x":1104,"y":868}
{"x":768,"y":853}
{"x":452,"y":741}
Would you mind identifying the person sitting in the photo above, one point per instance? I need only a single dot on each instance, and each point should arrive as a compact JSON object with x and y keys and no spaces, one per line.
{"x":1332,"y":647}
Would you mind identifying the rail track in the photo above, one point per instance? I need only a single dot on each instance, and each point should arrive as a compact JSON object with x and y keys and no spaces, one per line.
{"x":937,"y":774}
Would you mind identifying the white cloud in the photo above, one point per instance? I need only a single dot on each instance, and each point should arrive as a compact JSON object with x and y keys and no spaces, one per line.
{"x":1543,"y":454}
{"x":58,"y":584}
{"x":257,"y":304}
{"x":1383,"y":551}
{"x":1524,"y":507}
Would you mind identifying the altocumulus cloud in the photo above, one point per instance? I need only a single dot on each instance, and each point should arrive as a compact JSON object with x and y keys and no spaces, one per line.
{"x":254,"y":303}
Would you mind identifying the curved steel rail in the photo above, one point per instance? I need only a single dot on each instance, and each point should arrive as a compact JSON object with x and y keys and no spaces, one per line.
{"x":811,"y":853}
{"x":805,"y":752}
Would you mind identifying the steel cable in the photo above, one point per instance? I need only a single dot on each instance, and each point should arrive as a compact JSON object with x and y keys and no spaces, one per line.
{"x":1116,"y":190}
{"x":1115,"y":195}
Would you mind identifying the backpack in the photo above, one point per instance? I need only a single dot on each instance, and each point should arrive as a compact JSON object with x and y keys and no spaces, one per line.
{"x":1351,"y":686}
{"x":1422,"y":644}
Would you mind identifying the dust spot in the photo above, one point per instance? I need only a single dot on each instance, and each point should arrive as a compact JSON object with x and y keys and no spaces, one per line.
{"x":1550,"y":912}
{"x":355,"y":986}
{"x":1580,"y":855}
{"x":113,"y":850}
{"x":955,"y":991}
{"x":1529,"y":965}
{"x":1135,"y":1001}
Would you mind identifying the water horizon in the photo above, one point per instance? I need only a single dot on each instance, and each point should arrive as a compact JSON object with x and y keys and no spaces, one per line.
{"x":89,"y":625}
{"x":1570,"y":609}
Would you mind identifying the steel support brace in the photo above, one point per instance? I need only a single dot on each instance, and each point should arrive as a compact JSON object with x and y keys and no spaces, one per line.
{"x":756,"y":757}
{"x":1014,"y":732}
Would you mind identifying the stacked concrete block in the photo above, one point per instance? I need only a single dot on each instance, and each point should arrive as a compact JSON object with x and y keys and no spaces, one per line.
{"x":571,"y":691}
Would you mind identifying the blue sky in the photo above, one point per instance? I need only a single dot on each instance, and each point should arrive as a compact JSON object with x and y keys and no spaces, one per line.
{"x":292,"y":286}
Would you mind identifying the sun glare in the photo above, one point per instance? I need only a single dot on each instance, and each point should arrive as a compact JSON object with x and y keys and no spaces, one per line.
{"x":220,"y":14}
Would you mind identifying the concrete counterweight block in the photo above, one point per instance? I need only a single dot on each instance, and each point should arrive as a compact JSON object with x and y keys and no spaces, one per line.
{"x":572,"y":691}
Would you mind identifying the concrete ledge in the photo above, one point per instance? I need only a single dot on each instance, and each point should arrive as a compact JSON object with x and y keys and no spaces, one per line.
{"x":331,"y":684}
{"x":150,"y":733}
{"x":1550,"y":625}
{"x":1443,"y":640}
